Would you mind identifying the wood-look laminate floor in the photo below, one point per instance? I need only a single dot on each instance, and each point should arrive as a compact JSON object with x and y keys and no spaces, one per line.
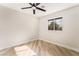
{"x":42,"y":48}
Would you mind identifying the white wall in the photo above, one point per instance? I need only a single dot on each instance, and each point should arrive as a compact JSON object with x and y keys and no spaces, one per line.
{"x":69,"y":37}
{"x":16,"y":27}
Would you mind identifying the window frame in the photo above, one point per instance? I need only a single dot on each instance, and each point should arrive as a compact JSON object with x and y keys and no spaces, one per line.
{"x":54,"y":21}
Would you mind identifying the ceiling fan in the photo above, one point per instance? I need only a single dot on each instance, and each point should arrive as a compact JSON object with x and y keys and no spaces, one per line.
{"x":34,"y":6}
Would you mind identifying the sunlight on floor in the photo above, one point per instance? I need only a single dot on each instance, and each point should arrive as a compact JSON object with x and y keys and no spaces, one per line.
{"x":24,"y":51}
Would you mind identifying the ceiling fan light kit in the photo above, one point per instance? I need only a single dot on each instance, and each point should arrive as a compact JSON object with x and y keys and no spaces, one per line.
{"x":34,"y":6}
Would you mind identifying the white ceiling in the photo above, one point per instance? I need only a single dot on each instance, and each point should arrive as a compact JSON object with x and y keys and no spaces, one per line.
{"x":49,"y":7}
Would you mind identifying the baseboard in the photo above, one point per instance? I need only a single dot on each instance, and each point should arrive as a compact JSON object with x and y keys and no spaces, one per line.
{"x":65,"y":46}
{"x":21,"y":42}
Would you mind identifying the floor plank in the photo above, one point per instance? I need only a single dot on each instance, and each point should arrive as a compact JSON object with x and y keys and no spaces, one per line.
{"x":42,"y":48}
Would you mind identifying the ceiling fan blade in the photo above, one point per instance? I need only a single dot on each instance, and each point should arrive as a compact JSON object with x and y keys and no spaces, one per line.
{"x":31,"y":4}
{"x":40,"y":9}
{"x":37,"y":4}
{"x":26,"y":7}
{"x":33,"y":11}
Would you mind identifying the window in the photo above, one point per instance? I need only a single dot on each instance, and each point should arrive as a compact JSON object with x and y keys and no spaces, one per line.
{"x":55,"y":24}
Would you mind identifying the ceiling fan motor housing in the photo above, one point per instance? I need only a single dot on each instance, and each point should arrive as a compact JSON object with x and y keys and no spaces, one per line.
{"x":34,"y":6}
